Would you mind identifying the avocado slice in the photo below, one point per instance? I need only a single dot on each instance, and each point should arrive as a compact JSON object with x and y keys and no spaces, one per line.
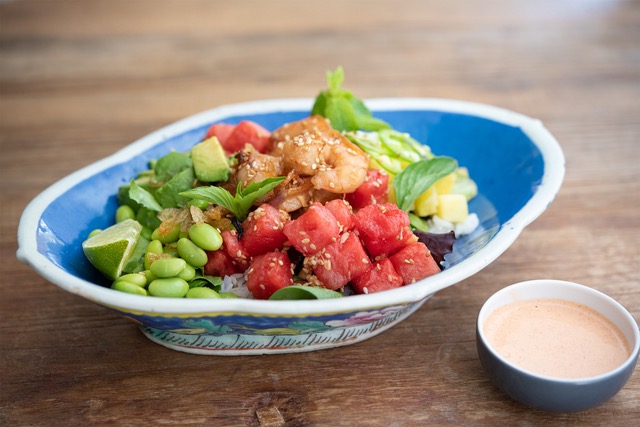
{"x":210,"y":162}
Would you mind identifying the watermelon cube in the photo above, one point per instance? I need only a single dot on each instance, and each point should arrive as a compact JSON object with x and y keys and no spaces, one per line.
{"x":263,"y":230}
{"x":343,"y":213}
{"x":220,"y":131}
{"x":380,"y":276}
{"x":247,"y":132}
{"x":235,"y":249}
{"x":414,"y":262}
{"x":268,"y":273}
{"x":219,"y":263}
{"x":340,"y":262}
{"x":313,"y":230}
{"x":374,"y":190}
{"x":383,"y":229}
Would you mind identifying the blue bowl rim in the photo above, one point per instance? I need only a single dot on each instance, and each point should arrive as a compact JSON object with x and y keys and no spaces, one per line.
{"x":549,"y":186}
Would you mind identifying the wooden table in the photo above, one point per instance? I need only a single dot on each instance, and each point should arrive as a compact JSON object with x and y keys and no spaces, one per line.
{"x":81,"y":79}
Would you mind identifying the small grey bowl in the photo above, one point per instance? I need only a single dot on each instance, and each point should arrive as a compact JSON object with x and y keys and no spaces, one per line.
{"x":545,"y":392}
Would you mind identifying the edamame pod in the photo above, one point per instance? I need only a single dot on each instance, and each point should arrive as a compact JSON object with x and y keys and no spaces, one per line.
{"x":205,"y":236}
{"x":167,"y":267}
{"x":191,"y":253}
{"x":202,"y":292}
{"x":173,"y":287}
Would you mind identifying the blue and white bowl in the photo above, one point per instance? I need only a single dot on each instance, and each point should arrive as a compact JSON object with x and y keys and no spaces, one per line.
{"x":516,"y":162}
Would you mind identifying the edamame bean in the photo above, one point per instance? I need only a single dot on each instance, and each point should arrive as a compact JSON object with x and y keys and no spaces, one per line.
{"x":202,"y":292}
{"x":167,"y":267}
{"x":227,"y":295}
{"x":205,"y":236}
{"x":202,"y":204}
{"x":135,"y":278}
{"x":154,"y":247}
{"x":94,"y":232}
{"x":125,"y":212}
{"x":149,"y":276}
{"x":188,"y":274}
{"x":146,"y":233}
{"x":128,"y":287}
{"x":173,"y":287}
{"x":169,"y":237}
{"x":191,"y":253}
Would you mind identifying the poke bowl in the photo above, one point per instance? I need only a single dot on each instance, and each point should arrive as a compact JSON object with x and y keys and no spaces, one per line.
{"x":517,"y":164}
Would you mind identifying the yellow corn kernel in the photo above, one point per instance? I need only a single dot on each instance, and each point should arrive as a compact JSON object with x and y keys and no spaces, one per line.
{"x":445,"y":184}
{"x":427,"y":203}
{"x":453,"y":207}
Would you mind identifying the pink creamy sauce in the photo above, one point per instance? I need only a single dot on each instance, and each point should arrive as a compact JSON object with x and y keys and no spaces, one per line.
{"x":556,"y":338}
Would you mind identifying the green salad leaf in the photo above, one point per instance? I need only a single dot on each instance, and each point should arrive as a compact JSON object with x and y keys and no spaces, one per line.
{"x":344,"y":110}
{"x":143,"y":197}
{"x":417,"y":177}
{"x":304,"y":292}
{"x":239,"y":204}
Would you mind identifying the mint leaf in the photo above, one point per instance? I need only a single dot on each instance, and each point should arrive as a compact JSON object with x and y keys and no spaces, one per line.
{"x":344,"y":110}
{"x":416,"y":178}
{"x":239,"y":204}
{"x":214,"y":194}
{"x":143,"y":197}
{"x":335,"y":79}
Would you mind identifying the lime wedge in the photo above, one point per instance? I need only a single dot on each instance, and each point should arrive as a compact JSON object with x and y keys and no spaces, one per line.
{"x":109,"y":250}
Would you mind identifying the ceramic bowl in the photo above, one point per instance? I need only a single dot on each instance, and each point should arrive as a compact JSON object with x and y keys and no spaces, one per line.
{"x":515,"y":161}
{"x":545,"y":392}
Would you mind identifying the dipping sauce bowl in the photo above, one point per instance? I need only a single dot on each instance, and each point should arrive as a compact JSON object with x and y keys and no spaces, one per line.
{"x":555,"y":345}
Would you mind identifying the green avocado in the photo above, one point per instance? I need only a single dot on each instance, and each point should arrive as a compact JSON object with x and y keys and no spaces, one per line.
{"x":210,"y":162}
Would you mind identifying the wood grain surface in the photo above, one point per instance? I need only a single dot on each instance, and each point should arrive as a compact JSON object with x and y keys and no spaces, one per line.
{"x":82,"y":79}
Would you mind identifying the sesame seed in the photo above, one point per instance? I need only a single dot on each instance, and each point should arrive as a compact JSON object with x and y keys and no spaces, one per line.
{"x":305,"y":241}
{"x":365,"y":290}
{"x":365,"y":260}
{"x":313,"y":247}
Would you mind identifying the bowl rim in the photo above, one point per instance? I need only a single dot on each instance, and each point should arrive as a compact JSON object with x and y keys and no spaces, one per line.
{"x":485,"y":311}
{"x":553,"y":175}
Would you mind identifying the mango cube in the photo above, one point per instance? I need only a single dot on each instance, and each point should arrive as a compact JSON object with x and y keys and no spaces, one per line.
{"x":427,"y":203}
{"x":445,"y":184}
{"x":453,"y":207}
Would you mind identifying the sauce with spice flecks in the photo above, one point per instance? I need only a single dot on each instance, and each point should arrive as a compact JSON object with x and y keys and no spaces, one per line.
{"x":556,"y":338}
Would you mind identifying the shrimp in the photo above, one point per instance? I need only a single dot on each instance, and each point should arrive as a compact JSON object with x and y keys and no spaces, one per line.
{"x":314,"y":149}
{"x":254,"y":166}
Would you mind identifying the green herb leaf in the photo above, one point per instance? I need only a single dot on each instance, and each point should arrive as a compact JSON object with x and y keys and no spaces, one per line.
{"x":213,"y":194}
{"x":168,"y":195}
{"x":239,"y":204}
{"x":345,"y":111}
{"x":416,"y":178}
{"x":143,"y":197}
{"x":296,"y":292}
